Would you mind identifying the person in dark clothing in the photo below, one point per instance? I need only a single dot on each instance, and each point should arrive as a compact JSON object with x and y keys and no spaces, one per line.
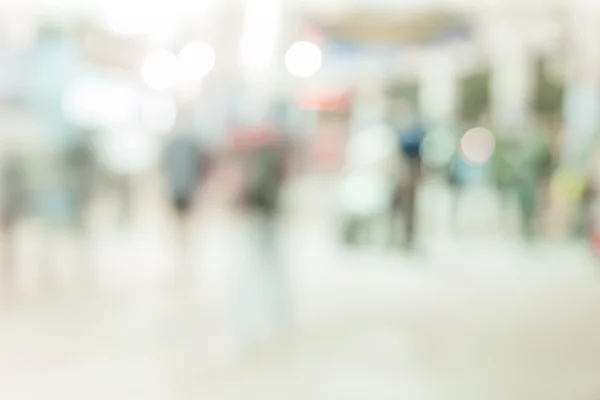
{"x":182,"y":164}
{"x":14,"y":206}
{"x":458,"y":171}
{"x":262,"y":157}
{"x":182,"y":167}
{"x":264,"y":179}
{"x":534,"y":167}
{"x":411,"y":139}
{"x":264,"y":167}
{"x":81,"y":169}
{"x":504,"y":165}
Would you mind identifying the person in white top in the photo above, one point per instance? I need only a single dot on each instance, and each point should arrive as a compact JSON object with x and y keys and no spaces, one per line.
{"x":370,"y":174}
{"x":22,"y":144}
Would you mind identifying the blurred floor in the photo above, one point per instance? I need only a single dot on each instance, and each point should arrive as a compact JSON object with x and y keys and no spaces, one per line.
{"x":468,"y":317}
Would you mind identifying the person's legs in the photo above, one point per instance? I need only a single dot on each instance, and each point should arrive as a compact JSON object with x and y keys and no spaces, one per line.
{"x":183,"y":271}
{"x":394,"y":216}
{"x":509,"y":201}
{"x":544,"y":206}
{"x":49,"y":264}
{"x":409,"y":222}
{"x":82,"y":230}
{"x":125,"y":200}
{"x":251,"y":299}
{"x":527,"y":200}
{"x":410,"y":215}
{"x":456,"y":193}
{"x":411,"y":205}
{"x":272,"y":271}
{"x":8,"y":267}
{"x":351,"y":229}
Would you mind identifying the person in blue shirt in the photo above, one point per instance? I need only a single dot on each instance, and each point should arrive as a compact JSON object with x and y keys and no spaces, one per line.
{"x":183,"y":169}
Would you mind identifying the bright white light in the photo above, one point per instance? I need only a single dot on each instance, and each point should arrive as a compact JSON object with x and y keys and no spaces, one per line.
{"x":96,"y":103}
{"x":128,"y":22}
{"x":158,"y":113}
{"x":142,"y":17}
{"x":159,"y":70}
{"x":259,"y":36}
{"x":303,"y":59}
{"x":128,"y":150}
{"x":124,"y":22}
{"x":195,"y":61}
{"x":477,"y":146}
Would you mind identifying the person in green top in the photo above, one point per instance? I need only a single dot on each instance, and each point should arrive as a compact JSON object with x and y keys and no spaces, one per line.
{"x":520,"y":165}
{"x":534,"y":165}
{"x":504,"y":168}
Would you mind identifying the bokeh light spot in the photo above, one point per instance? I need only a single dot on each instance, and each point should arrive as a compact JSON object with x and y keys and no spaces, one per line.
{"x":303,"y":59}
{"x":195,"y":61}
{"x":159,"y":70}
{"x":477,"y":146}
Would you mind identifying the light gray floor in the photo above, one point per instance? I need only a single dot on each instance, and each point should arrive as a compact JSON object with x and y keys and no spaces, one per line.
{"x":475,"y":317}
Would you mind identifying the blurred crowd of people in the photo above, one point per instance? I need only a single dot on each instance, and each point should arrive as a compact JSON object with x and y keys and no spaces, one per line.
{"x":382,"y":170}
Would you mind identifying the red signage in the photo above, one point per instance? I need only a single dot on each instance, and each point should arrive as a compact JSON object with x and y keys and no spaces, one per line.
{"x":325,"y":101}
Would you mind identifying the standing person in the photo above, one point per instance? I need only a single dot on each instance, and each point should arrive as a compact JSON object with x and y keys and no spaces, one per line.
{"x":125,"y":153}
{"x":368,"y":186}
{"x":81,"y":169}
{"x":63,"y":189}
{"x":55,"y":208}
{"x":264,"y":291}
{"x":28,"y":177}
{"x":548,"y":169}
{"x":183,"y":167}
{"x":589,"y":204}
{"x":14,"y":205}
{"x":458,"y":179}
{"x":527,"y":198}
{"x":264,"y":178}
{"x":504,"y":171}
{"x":535,"y":166}
{"x":411,"y":137}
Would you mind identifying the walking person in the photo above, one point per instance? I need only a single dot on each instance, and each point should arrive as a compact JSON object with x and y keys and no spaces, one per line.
{"x":27,"y":171}
{"x":183,"y":169}
{"x":534,"y":168}
{"x":81,"y":169}
{"x":263,"y":296}
{"x":14,"y":207}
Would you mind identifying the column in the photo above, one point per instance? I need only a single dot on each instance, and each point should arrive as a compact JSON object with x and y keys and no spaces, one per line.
{"x":438,"y":87}
{"x":258,"y":55}
{"x":511,"y":75}
{"x":582,"y":94}
{"x":369,"y":105}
